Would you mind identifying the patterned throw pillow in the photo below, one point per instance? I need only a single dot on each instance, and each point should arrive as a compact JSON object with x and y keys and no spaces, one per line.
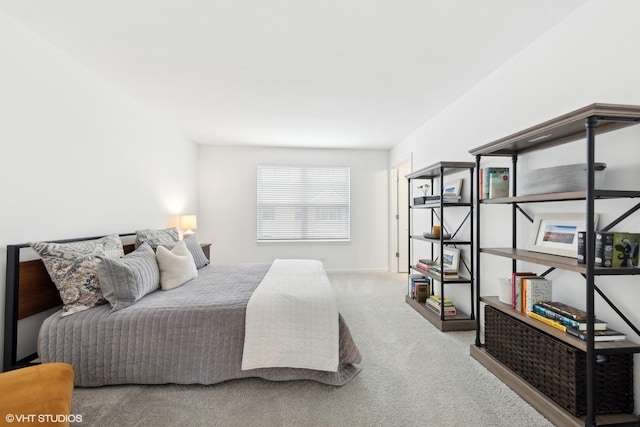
{"x":199,"y":258}
{"x":156,"y":237}
{"x":125,"y":280}
{"x":72,"y":267}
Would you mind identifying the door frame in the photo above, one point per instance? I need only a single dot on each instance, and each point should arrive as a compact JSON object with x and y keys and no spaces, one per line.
{"x":399,"y":217}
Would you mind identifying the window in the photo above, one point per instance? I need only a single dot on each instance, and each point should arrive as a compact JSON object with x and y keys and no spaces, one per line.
{"x":303,"y":203}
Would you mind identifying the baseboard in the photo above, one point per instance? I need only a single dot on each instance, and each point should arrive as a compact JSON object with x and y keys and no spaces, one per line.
{"x":358,"y":270}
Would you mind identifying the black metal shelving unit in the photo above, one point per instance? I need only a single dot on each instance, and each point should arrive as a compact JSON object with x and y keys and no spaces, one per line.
{"x":585,"y":124}
{"x":435,"y":175}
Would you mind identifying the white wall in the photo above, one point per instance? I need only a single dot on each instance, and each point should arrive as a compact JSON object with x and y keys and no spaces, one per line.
{"x":78,"y":158}
{"x":227,"y":206}
{"x":589,"y":57}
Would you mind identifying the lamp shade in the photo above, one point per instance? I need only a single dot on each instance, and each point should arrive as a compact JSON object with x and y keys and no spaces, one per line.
{"x":188,"y":222}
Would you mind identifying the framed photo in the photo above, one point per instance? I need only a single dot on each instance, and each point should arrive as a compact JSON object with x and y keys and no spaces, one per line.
{"x":452,"y":188}
{"x":450,"y":259}
{"x":557,"y":233}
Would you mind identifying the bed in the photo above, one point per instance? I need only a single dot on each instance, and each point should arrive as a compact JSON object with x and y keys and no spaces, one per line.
{"x":193,"y":334}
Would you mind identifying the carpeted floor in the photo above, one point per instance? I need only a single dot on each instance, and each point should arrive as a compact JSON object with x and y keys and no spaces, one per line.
{"x":412,"y":375}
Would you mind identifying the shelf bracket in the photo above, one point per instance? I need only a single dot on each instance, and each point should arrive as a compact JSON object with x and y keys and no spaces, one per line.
{"x":621,"y":218}
{"x":616,"y":309}
{"x":522,"y":211}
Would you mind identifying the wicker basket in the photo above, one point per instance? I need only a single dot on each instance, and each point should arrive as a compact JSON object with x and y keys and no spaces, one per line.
{"x":558,"y":369}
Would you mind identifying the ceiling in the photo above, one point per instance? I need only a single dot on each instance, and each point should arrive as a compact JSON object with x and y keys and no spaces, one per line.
{"x":321,"y":73}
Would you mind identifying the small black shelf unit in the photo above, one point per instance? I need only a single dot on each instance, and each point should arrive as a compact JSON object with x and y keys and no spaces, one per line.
{"x":435,"y":175}
{"x":584,"y":123}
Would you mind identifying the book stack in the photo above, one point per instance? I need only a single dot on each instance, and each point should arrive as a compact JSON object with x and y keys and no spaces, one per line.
{"x":436,"y":200}
{"x":573,"y":321}
{"x":433,"y":267}
{"x":494,"y":182}
{"x":447,"y":198}
{"x":425,"y":265}
{"x":433,"y":302}
{"x":418,"y":287}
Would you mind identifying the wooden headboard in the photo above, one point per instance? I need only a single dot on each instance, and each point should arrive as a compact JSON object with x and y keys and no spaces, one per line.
{"x":29,"y":291}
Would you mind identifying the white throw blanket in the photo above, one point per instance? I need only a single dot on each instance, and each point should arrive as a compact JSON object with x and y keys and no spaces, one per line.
{"x":292,"y":319}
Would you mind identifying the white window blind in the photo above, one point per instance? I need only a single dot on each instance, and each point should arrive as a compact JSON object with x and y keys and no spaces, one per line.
{"x":303,"y":203}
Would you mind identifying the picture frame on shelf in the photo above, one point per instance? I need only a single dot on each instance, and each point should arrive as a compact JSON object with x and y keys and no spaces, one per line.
{"x":452,"y":188}
{"x":450,"y":259}
{"x":557,"y":233}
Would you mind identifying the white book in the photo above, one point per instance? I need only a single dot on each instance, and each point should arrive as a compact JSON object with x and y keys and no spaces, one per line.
{"x":536,"y":289}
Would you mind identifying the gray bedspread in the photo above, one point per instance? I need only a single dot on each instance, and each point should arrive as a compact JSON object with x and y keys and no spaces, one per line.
{"x":193,"y":334}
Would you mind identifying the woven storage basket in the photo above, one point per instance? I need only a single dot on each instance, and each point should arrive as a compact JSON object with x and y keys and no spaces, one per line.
{"x":558,"y":369}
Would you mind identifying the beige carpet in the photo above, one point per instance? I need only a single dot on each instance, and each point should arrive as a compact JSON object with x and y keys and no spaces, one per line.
{"x":413,"y":375}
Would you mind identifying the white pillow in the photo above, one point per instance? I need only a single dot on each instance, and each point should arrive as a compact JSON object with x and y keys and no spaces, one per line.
{"x":176,"y":266}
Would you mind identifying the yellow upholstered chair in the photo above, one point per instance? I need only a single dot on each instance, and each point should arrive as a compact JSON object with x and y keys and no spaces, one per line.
{"x":37,"y":395}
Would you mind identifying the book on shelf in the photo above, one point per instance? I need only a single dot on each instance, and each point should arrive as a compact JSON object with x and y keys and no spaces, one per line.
{"x":448,"y":274}
{"x":599,"y":336}
{"x":625,"y":249}
{"x":436,"y":200}
{"x":516,"y":288}
{"x":498,"y":185}
{"x":437,"y":311}
{"x":548,"y":321}
{"x":415,"y":281}
{"x":582,"y":247}
{"x":603,"y":249}
{"x":425,"y":200}
{"x":433,"y":267}
{"x":424,"y":267}
{"x":598,"y":324}
{"x":438,"y":299}
{"x":566,"y":310}
{"x":445,"y":197}
{"x":421,"y":291}
{"x":485,"y":182}
{"x":448,"y":311}
{"x":534,"y":289}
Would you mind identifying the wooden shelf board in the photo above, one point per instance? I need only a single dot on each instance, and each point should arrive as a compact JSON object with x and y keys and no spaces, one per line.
{"x":437,"y":205}
{"x":555,"y":197}
{"x":563,"y":129}
{"x":445,"y":241}
{"x":561,"y":262}
{"x":439,"y":279}
{"x":460,"y":322}
{"x":540,"y":402}
{"x":433,"y":171}
{"x":601,"y":347}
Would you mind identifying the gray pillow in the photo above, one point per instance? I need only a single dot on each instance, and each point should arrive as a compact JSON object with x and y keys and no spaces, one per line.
{"x":156,"y":237}
{"x":72,"y":267}
{"x":199,"y":258}
{"x":124,"y":281}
